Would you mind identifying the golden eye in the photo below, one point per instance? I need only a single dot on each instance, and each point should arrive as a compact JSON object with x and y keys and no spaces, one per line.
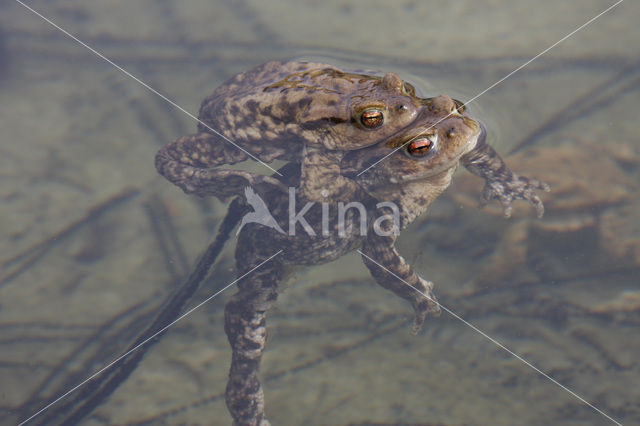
{"x":372,"y":118}
{"x":422,"y":145}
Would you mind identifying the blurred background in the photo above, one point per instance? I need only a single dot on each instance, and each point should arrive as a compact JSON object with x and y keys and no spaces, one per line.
{"x":92,"y":239}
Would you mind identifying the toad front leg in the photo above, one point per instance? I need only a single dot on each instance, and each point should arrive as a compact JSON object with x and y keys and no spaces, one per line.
{"x":392,"y":272}
{"x":500,"y":182}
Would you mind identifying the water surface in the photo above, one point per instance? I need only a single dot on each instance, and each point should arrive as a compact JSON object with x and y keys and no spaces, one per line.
{"x":93,"y":239}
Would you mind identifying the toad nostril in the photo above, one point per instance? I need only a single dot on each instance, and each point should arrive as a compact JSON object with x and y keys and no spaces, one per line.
{"x":451,"y":132}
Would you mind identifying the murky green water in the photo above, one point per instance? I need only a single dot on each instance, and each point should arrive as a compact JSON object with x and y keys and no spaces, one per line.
{"x":92,"y":240}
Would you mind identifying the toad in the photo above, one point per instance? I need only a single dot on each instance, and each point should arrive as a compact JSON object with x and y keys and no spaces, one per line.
{"x":365,"y":155}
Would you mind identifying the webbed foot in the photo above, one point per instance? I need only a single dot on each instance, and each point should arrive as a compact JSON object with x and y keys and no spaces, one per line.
{"x":514,"y":188}
{"x":424,"y":304}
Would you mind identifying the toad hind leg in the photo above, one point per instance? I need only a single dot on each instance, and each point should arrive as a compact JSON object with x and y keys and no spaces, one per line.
{"x":245,"y":326}
{"x":192,"y":163}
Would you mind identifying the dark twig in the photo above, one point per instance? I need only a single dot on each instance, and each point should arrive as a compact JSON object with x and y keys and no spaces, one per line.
{"x":165,"y":231}
{"x":26,"y":258}
{"x":36,"y":399}
{"x":594,"y":100}
{"x":99,"y":389}
{"x":391,"y":327}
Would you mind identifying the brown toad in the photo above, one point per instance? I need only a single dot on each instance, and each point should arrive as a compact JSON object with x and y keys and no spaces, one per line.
{"x":365,"y":156}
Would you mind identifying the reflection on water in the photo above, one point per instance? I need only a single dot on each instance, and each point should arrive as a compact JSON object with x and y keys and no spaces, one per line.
{"x":94,"y":240}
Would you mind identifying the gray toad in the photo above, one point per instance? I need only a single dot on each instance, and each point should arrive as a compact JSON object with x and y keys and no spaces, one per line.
{"x":346,"y":137}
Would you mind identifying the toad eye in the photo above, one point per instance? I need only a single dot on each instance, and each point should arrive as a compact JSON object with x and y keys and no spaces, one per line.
{"x":422,"y":146}
{"x":372,"y":118}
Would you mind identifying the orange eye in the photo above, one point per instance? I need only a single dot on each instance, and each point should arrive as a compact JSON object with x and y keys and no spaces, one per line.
{"x":421,"y":146}
{"x":372,"y":118}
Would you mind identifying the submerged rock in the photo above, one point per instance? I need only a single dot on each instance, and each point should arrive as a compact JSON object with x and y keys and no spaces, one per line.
{"x":591,"y":221}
